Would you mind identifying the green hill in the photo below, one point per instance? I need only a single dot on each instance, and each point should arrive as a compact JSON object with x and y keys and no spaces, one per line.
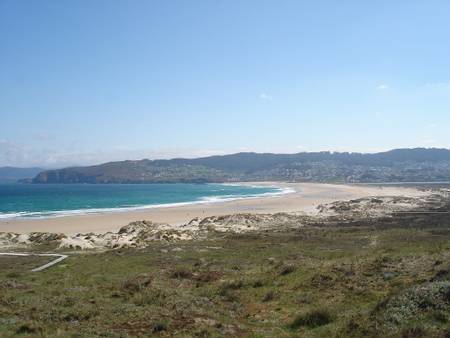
{"x":401,"y":165}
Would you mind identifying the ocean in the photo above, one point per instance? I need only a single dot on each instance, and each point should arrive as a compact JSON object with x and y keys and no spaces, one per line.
{"x":53,"y":200}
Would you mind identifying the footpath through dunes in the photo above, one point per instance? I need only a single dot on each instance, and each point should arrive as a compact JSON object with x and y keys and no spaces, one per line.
{"x":380,"y":211}
{"x":304,"y":198}
{"x":56,"y":258}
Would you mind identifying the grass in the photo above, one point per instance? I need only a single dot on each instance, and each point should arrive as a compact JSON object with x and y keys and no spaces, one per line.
{"x":311,"y":282}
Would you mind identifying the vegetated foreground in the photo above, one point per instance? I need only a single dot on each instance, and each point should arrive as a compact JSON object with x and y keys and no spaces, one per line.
{"x":374,"y":277}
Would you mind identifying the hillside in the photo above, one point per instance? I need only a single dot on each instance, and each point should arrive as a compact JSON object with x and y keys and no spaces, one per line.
{"x":401,"y":165}
{"x":13,"y":174}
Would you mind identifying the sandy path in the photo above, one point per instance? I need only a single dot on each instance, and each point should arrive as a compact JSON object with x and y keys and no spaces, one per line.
{"x":306,"y":198}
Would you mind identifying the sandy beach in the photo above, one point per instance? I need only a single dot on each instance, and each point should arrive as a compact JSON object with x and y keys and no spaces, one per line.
{"x":305,"y":198}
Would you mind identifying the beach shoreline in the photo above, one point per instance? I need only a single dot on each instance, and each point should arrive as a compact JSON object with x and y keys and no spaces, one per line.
{"x":305,"y":197}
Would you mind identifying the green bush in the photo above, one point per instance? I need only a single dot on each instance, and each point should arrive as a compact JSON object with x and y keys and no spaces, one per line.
{"x":312,"y":319}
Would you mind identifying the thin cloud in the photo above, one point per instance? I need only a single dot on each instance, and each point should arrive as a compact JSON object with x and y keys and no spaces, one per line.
{"x":41,"y":137}
{"x":264,"y":96}
{"x":430,"y":142}
{"x":438,"y":85}
{"x":20,"y":155}
{"x":382,"y":87}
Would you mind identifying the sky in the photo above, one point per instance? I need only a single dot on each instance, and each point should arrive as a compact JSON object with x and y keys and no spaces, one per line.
{"x":84,"y":82}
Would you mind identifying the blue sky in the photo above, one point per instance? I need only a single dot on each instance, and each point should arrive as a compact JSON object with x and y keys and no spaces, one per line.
{"x":89,"y":81}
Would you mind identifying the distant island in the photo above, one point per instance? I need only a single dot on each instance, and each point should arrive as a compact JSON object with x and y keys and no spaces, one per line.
{"x":400,"y":165}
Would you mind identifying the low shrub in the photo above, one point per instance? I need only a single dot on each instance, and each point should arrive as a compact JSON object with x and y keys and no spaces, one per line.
{"x":159,"y":326}
{"x":414,"y":332}
{"x":419,"y":299}
{"x":312,"y":319}
{"x":181,"y":273}
{"x":207,"y":276}
{"x":287,"y":269}
{"x":269,"y":296}
{"x":232,"y":285}
{"x":29,"y":328}
{"x":137,"y":283}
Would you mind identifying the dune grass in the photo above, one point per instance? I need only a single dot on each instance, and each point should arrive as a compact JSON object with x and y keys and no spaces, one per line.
{"x":312,"y":282}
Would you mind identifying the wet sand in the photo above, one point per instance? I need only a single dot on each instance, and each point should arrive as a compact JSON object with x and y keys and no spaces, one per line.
{"x":306,"y":198}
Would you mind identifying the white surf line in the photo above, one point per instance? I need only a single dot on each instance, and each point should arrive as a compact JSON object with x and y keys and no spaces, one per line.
{"x":40,"y":268}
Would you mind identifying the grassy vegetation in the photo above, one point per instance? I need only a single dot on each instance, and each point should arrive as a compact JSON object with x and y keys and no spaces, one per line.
{"x":313,"y":282}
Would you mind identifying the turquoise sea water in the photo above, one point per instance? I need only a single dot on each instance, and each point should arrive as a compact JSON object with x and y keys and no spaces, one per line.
{"x":50,"y":200}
